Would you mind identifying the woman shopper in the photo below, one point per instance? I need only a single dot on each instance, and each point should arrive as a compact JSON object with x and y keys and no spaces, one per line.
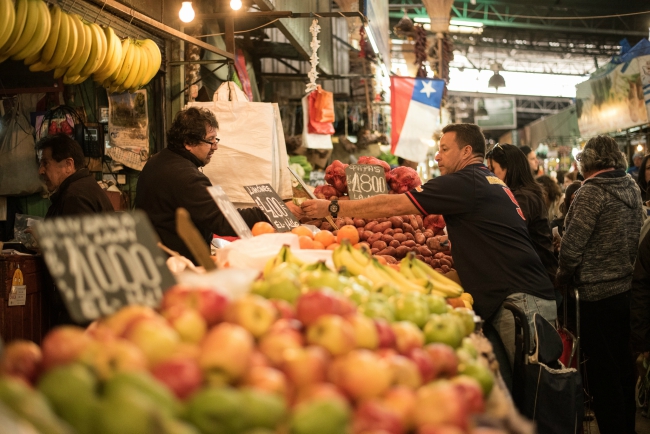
{"x":644,"y":178}
{"x":597,"y":257}
{"x":553,"y":195}
{"x":510,"y":165}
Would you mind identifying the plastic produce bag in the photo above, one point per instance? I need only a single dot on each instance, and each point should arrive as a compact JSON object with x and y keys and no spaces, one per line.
{"x":323,"y":105}
{"x":315,"y":125}
{"x":22,"y":223}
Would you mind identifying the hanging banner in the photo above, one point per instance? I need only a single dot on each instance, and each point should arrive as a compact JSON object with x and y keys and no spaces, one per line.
{"x":614,"y":101}
{"x":128,"y":126}
{"x":501,"y":113}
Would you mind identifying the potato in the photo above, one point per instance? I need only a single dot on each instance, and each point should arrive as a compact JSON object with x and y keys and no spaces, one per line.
{"x":394,"y":243}
{"x":365,"y":235}
{"x":396,"y":221}
{"x":374,"y":237}
{"x":439,"y":255}
{"x":445,"y":262}
{"x":373,"y":251}
{"x":420,"y":238}
{"x":325,"y":226}
{"x":409,"y":236}
{"x":440,"y":270}
{"x":445,"y":268}
{"x":386,"y":238}
{"x":428,"y":233}
{"x":335,"y":232}
{"x":370,"y":225}
{"x":400,"y":237}
{"x":340,"y":222}
{"x":381,"y":245}
{"x":389,"y":251}
{"x":418,"y":218}
{"x":450,"y":259}
{"x":382,"y":220}
{"x":435,"y":263}
{"x":348,"y":221}
{"x":398,"y":231}
{"x":359,"y":223}
{"x":420,"y":257}
{"x":402,"y":251}
{"x":424,"y":251}
{"x":433,"y":244}
{"x":407,"y":228}
{"x":381,"y":227}
{"x":409,"y":243}
{"x":389,"y":231}
{"x":428,"y":259}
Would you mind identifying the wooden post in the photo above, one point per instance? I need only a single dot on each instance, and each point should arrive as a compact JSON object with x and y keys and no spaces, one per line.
{"x":230,"y":34}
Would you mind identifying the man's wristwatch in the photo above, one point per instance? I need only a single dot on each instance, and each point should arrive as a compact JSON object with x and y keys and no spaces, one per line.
{"x":334,"y":208}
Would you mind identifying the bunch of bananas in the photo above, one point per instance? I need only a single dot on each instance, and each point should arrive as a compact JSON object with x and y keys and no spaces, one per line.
{"x":284,"y":255}
{"x":360,"y":263}
{"x":75,"y":49}
{"x":414,"y":269}
{"x":25,"y":29}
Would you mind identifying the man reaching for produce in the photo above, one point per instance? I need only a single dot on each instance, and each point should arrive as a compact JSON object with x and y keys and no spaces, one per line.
{"x":171,"y":179}
{"x":492,"y":250}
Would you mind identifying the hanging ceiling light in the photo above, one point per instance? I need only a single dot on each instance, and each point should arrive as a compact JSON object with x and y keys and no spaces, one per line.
{"x":497,"y":80}
{"x":186,"y":14}
{"x":235,"y":5}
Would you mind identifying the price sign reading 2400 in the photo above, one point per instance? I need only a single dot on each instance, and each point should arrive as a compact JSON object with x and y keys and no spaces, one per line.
{"x":365,"y":180}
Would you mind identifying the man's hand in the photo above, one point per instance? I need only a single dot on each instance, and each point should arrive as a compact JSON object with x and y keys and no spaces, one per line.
{"x":296,"y":210}
{"x":316,"y":208}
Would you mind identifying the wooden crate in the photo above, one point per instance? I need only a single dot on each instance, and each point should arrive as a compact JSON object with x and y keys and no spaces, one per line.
{"x":34,"y":319}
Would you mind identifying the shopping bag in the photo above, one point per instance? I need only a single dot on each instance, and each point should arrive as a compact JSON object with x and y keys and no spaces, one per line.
{"x":18,"y":159}
{"x":251,"y":147}
{"x":315,"y":126}
{"x":310,"y":140}
{"x":323,"y":105}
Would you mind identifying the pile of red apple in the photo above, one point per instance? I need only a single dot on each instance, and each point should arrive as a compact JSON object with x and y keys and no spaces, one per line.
{"x":254,"y":365}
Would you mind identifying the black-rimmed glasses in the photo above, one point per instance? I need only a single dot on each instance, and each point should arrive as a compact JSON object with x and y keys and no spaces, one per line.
{"x":211,"y":142}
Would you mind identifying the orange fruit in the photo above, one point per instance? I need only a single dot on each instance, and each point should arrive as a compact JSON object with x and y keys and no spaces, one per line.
{"x":302,"y":231}
{"x":260,"y":228}
{"x":332,"y":246}
{"x":318,"y":246}
{"x":306,"y":242}
{"x":324,"y":237}
{"x":362,"y":246}
{"x":348,"y":232}
{"x":380,"y":259}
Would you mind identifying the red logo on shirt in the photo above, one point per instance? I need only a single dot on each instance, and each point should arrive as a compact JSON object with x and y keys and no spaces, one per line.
{"x":512,"y":198}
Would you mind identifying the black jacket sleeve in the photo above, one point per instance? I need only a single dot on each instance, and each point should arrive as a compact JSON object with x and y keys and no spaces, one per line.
{"x":640,"y":303}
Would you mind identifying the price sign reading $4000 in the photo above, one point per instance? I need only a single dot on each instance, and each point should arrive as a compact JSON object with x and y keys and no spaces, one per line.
{"x":365,"y":180}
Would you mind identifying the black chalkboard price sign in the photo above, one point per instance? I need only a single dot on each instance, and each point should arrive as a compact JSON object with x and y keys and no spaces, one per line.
{"x":230,"y":212}
{"x":272,"y":205}
{"x":102,"y":262}
{"x":365,"y":180}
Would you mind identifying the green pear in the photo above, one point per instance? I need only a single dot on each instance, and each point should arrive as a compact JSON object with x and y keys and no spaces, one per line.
{"x":445,"y":328}
{"x":356,"y":293}
{"x":31,"y":406}
{"x":320,"y":417}
{"x":71,"y":389}
{"x":129,"y":411}
{"x":263,"y":409}
{"x":436,"y":303}
{"x":217,"y":410}
{"x":378,"y":309}
{"x":480,"y":373}
{"x":148,"y":385}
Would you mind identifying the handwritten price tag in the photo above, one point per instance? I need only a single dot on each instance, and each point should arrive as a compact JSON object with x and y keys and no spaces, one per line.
{"x":365,"y":180}
{"x":272,"y":205}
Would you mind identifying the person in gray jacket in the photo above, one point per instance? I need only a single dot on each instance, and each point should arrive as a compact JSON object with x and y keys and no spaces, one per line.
{"x":597,"y":257}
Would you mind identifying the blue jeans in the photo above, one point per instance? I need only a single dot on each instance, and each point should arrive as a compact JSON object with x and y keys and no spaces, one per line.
{"x":504,"y":323}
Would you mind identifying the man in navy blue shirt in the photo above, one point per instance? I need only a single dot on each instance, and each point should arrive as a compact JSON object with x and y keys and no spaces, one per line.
{"x":492,"y":250}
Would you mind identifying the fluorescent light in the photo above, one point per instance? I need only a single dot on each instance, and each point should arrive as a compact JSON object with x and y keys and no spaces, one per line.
{"x":424,"y":20}
{"x":465,"y":30}
{"x":457,"y":22}
{"x":371,"y":38}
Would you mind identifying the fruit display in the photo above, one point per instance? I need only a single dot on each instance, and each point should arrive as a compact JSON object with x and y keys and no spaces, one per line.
{"x":52,"y":39}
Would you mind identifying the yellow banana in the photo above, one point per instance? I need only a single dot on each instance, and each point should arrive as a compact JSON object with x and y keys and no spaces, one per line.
{"x":135,"y":66}
{"x":62,"y":43}
{"x":111,"y":43}
{"x":38,"y":66}
{"x":145,"y":61}
{"x":53,"y":37}
{"x":377,"y":278}
{"x":58,"y":72}
{"x":76,"y":67}
{"x":75,"y":56}
{"x":70,"y":79}
{"x":440,"y":283}
{"x":31,"y":23}
{"x":402,"y":282}
{"x":34,"y":58}
{"x":116,"y":61}
{"x":93,"y":59}
{"x":156,"y":57}
{"x":359,"y":256}
{"x":43,"y":26}
{"x":127,"y":64}
{"x":7,"y":11}
{"x":19,"y":26}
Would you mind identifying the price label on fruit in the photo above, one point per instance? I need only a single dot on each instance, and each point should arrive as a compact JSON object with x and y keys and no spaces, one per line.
{"x":365,"y":180}
{"x":272,"y":206}
{"x":230,"y":212}
{"x":102,"y":262}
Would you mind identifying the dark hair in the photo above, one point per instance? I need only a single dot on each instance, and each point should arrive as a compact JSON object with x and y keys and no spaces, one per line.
{"x":560,"y":176}
{"x":189,"y":127}
{"x":640,"y":179}
{"x":601,"y":152}
{"x":570,"y":190}
{"x":518,"y":174}
{"x":63,"y":147}
{"x":552,"y":189}
{"x":526,"y":150}
{"x":468,"y":135}
{"x":572,"y":175}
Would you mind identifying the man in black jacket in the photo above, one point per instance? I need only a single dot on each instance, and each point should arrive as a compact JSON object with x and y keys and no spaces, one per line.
{"x":74,"y":190}
{"x":171,"y":179}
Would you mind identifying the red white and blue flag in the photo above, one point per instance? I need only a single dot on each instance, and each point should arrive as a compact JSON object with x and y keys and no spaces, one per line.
{"x":415,"y":113}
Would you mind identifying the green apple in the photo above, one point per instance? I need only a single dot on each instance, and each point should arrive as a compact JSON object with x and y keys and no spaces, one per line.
{"x":71,"y":390}
{"x":260,"y":287}
{"x":263,"y":409}
{"x":445,"y":329}
{"x":322,"y":279}
{"x":480,"y":373}
{"x":283,"y":282}
{"x":217,"y":410}
{"x":467,"y":318}
{"x":146,"y":384}
{"x":324,"y":416}
{"x":126,"y":411}
{"x":387,"y":289}
{"x":436,"y":303}
{"x":378,"y":309}
{"x":411,"y":307}
{"x":468,"y":345}
{"x":357,"y":294}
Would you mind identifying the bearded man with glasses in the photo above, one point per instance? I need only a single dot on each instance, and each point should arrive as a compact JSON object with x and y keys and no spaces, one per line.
{"x":172,"y":179}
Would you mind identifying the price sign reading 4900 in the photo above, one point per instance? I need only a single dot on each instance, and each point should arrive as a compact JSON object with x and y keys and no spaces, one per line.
{"x":272,"y":205}
{"x":365,"y":180}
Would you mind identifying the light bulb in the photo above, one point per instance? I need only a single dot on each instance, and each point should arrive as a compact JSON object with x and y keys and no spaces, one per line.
{"x":186,"y":14}
{"x":235,"y":5}
{"x":639,"y":148}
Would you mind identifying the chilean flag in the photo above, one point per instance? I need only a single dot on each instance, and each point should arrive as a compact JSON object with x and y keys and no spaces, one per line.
{"x":415,"y":111}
